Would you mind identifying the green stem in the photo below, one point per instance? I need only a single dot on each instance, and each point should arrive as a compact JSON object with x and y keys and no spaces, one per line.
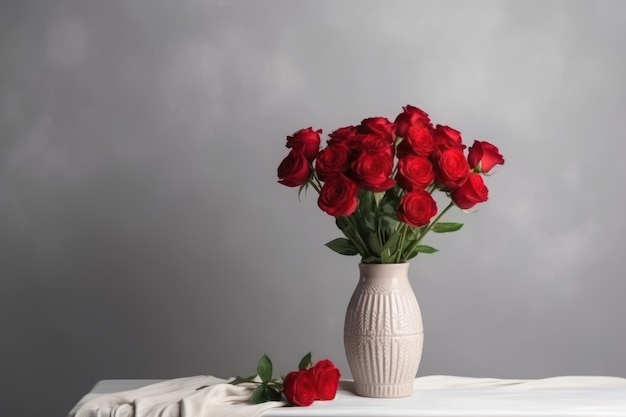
{"x":353,"y":235}
{"x":399,"y":254}
{"x":421,"y":236}
{"x":430,"y":226}
{"x":316,"y":183}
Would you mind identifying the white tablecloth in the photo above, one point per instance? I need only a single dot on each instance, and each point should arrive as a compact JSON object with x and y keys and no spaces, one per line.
{"x":450,"y":396}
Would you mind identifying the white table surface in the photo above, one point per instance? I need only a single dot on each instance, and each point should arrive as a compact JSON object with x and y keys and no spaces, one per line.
{"x":445,"y":396}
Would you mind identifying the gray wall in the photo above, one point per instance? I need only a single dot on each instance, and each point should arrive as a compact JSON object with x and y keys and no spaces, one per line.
{"x":143,"y":234}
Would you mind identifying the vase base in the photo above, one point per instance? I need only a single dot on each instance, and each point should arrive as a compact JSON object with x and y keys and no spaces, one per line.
{"x":384,"y":390}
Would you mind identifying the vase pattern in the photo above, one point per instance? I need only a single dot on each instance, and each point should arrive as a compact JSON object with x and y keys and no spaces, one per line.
{"x":383,"y":332}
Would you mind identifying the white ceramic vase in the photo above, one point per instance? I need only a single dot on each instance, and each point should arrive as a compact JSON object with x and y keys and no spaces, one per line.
{"x":383,"y":332}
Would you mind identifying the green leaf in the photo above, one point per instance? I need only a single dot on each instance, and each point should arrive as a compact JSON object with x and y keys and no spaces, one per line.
{"x":389,"y":223}
{"x":305,"y":362}
{"x":369,"y":221}
{"x":425,"y":249}
{"x":259,"y":395}
{"x":239,"y":380}
{"x":343,"y":246}
{"x":272,"y":394}
{"x":304,"y":187}
{"x":371,"y":260}
{"x":390,"y":247}
{"x":446,"y":227}
{"x":264,"y":369}
{"x":367,"y":202}
{"x":373,"y":243}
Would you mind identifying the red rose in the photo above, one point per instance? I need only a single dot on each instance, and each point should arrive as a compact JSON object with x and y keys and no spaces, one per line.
{"x":371,"y":143}
{"x":472,"y":192}
{"x":371,"y":171}
{"x":343,"y":135}
{"x":414,"y":172}
{"x":446,"y":137}
{"x":299,"y":388}
{"x":327,"y":378}
{"x":294,"y":170}
{"x":331,"y":161}
{"x":483,"y":156}
{"x":380,"y":126}
{"x":410,"y":117}
{"x":418,"y":140}
{"x":417,"y":208}
{"x":451,"y":168}
{"x":307,"y":141}
{"x":338,"y":196}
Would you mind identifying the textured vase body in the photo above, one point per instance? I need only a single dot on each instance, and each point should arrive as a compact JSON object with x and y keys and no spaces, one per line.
{"x":383,"y":332}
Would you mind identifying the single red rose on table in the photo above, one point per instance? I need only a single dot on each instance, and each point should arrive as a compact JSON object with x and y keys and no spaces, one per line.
{"x":294,"y":170}
{"x":414,"y":172}
{"x":417,"y":208}
{"x":327,"y":377}
{"x":300,"y":388}
{"x":372,"y":170}
{"x":472,"y":192}
{"x":306,"y":141}
{"x":483,"y":156}
{"x":338,"y":196}
{"x":410,"y":116}
{"x":451,"y":168}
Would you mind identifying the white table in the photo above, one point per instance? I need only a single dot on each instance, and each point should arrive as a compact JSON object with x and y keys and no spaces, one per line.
{"x":445,"y":396}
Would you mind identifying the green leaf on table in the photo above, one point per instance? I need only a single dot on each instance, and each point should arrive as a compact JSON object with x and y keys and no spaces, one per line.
{"x":446,"y":227}
{"x":305,"y":362}
{"x":272,"y":394}
{"x":264,"y":369}
{"x":343,"y":246}
{"x":259,"y":395}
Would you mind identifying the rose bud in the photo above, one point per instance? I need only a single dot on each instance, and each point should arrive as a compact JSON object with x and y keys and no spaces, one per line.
{"x":483,"y":156}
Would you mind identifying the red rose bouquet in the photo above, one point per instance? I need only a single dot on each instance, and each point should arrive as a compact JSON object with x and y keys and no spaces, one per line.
{"x":378,"y":179}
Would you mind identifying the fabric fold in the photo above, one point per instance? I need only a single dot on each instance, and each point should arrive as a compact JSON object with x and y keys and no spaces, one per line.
{"x":197,"y":396}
